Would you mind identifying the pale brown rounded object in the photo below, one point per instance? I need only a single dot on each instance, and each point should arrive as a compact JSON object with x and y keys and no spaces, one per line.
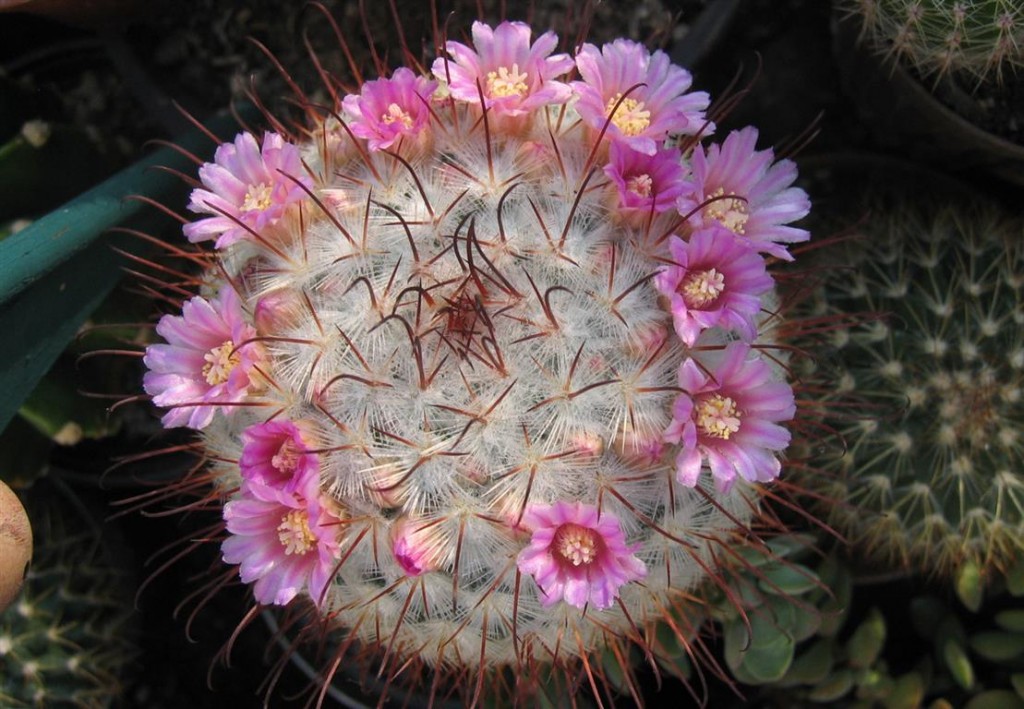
{"x":15,"y":545}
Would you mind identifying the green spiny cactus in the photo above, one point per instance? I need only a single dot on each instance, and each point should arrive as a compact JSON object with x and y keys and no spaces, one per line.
{"x":978,"y":38}
{"x":67,"y":641}
{"x":932,"y":474}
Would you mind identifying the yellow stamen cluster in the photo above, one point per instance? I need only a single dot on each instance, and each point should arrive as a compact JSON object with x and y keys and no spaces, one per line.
{"x":220,"y":362}
{"x":730,"y":212}
{"x":294,"y":533}
{"x":257,"y":197}
{"x":576,"y":544}
{"x":640,"y":185}
{"x":630,"y":116}
{"x":287,"y":458}
{"x":702,"y":288}
{"x":717,"y":416}
{"x":506,"y":82}
{"x":394,"y":114}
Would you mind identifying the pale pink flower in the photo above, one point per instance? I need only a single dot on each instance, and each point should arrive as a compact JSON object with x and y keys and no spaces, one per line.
{"x":207,"y":361}
{"x":578,"y":555}
{"x":729,"y":417}
{"x":246,"y":186}
{"x":653,"y":91}
{"x":387,"y":109}
{"x":755,"y":198}
{"x":276,"y":454}
{"x":646,"y":183}
{"x":411,"y":548}
{"x":284,"y":543}
{"x":715,"y":280}
{"x":515,"y":76}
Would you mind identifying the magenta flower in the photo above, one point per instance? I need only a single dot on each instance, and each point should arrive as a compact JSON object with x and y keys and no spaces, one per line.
{"x":207,"y":360}
{"x":756,"y":198}
{"x":246,"y":186}
{"x":514,"y":76}
{"x":646,"y":182}
{"x":387,"y":109}
{"x":729,"y":418}
{"x":715,"y":280}
{"x":275,"y":454}
{"x":647,"y":114}
{"x":578,"y":555}
{"x":285,"y":543}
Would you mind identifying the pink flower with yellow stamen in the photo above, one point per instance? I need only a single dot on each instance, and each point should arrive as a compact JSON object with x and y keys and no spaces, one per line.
{"x":640,"y":96}
{"x":388,"y":109}
{"x":277,"y":455}
{"x":646,"y":183}
{"x":578,"y":555}
{"x":729,"y":418}
{"x":284,"y":542}
{"x":514,"y":75}
{"x":715,"y":280}
{"x":207,"y":360}
{"x":750,"y":195}
{"x":246,"y":187}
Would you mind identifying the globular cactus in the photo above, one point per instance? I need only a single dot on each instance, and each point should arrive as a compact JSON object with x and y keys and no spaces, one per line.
{"x":69,"y":639}
{"x":486,"y":361}
{"x":931,"y":475}
{"x":980,"y":39}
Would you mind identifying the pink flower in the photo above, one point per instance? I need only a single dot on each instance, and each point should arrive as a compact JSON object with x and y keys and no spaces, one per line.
{"x":275,"y":454}
{"x":205,"y":361}
{"x":411,"y":547}
{"x":729,"y":418}
{"x":387,"y":109}
{"x":285,"y":543}
{"x":757,"y":197}
{"x":514,"y":76}
{"x":578,"y":555}
{"x":646,"y":182}
{"x":246,"y":186}
{"x":647,"y":114}
{"x":715,"y":280}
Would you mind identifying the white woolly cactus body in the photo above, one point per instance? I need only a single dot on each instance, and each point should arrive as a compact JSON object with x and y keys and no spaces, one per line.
{"x":441,"y":374}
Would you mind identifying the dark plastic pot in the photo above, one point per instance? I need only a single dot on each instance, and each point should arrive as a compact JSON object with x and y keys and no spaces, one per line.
{"x":903,"y":114}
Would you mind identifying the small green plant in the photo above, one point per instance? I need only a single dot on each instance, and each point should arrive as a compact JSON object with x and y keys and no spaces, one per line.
{"x":931,"y":471}
{"x":982,"y":39}
{"x":68,"y":640}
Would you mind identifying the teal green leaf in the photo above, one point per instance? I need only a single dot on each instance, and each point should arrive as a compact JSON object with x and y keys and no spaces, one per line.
{"x":997,"y":646}
{"x":927,"y":614}
{"x":834,"y":688}
{"x":958,"y":663}
{"x":1015,"y":579}
{"x":1017,"y":680}
{"x":995,"y":699}
{"x":769,"y":661}
{"x":1012,"y":620}
{"x":867,"y":640}
{"x":969,"y":587}
{"x":810,"y":667}
{"x":907,"y":692}
{"x":788,"y":580}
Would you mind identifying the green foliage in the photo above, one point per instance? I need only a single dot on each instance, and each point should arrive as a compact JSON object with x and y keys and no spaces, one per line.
{"x":68,"y":639}
{"x":980,"y":39}
{"x":932,"y":471}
